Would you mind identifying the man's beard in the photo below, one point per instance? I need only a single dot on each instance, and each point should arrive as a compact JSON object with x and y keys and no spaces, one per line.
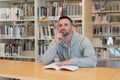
{"x":65,"y":33}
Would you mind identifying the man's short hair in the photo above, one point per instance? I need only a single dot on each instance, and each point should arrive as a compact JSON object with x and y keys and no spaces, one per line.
{"x":66,"y":17}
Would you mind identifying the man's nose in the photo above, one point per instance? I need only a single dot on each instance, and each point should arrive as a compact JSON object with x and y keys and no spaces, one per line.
{"x":63,"y":26}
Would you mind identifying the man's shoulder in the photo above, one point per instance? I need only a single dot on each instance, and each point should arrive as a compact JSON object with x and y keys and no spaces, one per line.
{"x":80,"y":36}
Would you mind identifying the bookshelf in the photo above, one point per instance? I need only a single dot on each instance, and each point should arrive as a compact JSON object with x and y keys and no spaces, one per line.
{"x":17,"y":37}
{"x":47,"y":13}
{"x":106,"y":28}
{"x":32,"y":25}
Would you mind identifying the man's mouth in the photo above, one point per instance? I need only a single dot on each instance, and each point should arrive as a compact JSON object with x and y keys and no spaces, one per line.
{"x":62,"y":31}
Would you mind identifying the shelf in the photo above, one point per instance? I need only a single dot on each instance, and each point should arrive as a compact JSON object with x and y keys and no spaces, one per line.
{"x":26,"y":57}
{"x":45,"y":39}
{"x":74,"y":17}
{"x":108,"y":23}
{"x":98,"y":12}
{"x":107,"y":46}
{"x":32,"y":37}
{"x":106,"y":35}
{"x":104,"y":0}
{"x":106,"y":29}
{"x":15,"y":20}
{"x":108,"y":59}
{"x":77,"y":24}
{"x":18,"y":38}
{"x":17,"y":29}
{"x":46,"y":20}
{"x":25,"y":54}
{"x":17,"y":1}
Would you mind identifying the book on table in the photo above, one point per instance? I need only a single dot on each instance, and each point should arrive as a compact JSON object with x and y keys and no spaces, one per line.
{"x":67,"y":67}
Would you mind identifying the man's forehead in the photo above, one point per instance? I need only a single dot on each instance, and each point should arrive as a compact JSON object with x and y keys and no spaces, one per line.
{"x":64,"y":21}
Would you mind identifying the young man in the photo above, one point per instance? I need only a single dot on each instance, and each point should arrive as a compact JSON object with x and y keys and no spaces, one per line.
{"x":71,"y":47}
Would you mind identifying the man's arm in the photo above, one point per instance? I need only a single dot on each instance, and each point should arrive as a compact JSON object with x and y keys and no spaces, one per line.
{"x":52,"y":50}
{"x":50,"y":54}
{"x":89,"y":57}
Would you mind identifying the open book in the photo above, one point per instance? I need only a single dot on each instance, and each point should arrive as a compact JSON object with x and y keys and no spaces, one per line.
{"x":54,"y":66}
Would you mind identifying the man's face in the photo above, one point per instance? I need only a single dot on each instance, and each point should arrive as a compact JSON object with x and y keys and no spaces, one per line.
{"x":65,"y":27}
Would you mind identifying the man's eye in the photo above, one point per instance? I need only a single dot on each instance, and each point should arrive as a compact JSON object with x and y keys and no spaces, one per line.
{"x":66,"y":24}
{"x":60,"y":25}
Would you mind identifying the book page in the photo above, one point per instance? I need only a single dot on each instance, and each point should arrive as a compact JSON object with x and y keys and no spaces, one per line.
{"x":52,"y":66}
{"x":69,"y":67}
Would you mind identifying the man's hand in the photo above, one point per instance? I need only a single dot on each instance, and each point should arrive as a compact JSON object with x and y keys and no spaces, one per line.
{"x":59,"y":37}
{"x":64,"y":63}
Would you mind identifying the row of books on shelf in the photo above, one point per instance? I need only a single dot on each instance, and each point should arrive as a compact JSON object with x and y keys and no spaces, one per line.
{"x":106,"y":6}
{"x":106,"y":41}
{"x":47,"y":32}
{"x":16,"y":31}
{"x":43,"y":46}
{"x":79,"y":29}
{"x":9,"y":49}
{"x":111,"y":41}
{"x":28,"y":45}
{"x":16,"y":13}
{"x":108,"y":18}
{"x":15,"y":47}
{"x":28,"y":10}
{"x":56,"y":9}
{"x":77,"y":22}
{"x":103,"y":53}
{"x":105,"y":30}
{"x":42,"y":49}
